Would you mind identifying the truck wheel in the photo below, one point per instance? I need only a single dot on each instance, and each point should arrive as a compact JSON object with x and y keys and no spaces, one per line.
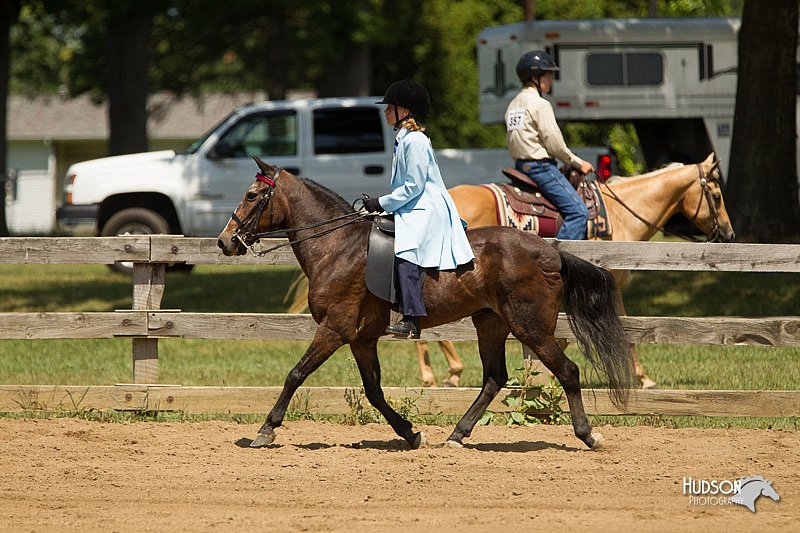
{"x":137,"y":221}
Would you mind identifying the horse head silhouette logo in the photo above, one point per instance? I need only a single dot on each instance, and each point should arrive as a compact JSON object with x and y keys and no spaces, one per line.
{"x":752,"y":488}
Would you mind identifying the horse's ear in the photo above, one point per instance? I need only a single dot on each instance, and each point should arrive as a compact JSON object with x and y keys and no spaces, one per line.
{"x":265,"y":168}
{"x":714,"y":166}
{"x":709,"y":159}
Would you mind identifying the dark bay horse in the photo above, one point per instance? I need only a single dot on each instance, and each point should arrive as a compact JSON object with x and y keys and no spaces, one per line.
{"x":519,"y":296}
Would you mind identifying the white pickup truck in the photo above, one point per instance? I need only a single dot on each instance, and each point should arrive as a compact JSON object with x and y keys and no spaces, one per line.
{"x":342,"y":143}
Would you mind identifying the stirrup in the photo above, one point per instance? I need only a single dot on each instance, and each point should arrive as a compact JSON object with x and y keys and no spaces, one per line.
{"x":408,"y":328}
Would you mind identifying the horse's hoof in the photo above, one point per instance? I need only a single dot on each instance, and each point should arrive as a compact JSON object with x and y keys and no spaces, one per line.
{"x":598,"y":441}
{"x":448,"y":383}
{"x":420,"y":441}
{"x":647,"y":383}
{"x":450,"y":443}
{"x":263,"y":439}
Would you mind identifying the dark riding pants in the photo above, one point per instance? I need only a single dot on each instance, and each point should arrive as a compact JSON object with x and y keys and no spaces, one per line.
{"x":409,"y":278}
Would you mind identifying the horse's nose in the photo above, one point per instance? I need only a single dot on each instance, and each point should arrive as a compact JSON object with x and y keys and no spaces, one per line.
{"x":220,"y":244}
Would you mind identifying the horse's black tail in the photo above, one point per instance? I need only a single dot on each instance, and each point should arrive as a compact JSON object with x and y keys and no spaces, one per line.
{"x":590,"y":299}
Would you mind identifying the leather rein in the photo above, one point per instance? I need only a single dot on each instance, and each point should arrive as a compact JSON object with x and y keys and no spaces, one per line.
{"x":246,"y":233}
{"x":706,"y":190}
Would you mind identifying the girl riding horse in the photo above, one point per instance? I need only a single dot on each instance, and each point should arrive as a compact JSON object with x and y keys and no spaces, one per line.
{"x":428,"y":231}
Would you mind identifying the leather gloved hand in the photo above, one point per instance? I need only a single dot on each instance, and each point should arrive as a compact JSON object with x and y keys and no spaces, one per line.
{"x":372,"y":205}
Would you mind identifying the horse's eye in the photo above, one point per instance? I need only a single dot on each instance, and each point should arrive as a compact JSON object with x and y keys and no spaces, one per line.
{"x":717,"y":196}
{"x":251,"y":196}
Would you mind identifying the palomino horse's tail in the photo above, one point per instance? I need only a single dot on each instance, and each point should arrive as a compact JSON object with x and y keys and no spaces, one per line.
{"x":591,"y":306}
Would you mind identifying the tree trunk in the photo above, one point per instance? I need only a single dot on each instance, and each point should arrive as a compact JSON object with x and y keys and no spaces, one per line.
{"x":9,"y":12}
{"x":127,"y":50}
{"x":351,"y":75}
{"x":274,"y":42}
{"x":762,"y":194}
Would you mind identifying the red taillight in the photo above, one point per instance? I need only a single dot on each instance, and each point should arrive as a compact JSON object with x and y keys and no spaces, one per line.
{"x":68,"y":188}
{"x":604,"y":167}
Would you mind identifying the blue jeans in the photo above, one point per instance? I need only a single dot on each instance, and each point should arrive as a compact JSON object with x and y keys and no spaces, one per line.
{"x":559,"y":191}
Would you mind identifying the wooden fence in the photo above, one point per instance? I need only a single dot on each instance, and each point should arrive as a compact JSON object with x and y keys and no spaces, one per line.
{"x":145,"y":323}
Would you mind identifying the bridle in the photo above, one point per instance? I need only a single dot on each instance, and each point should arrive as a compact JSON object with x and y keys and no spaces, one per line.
{"x":705,"y":193}
{"x":246,"y":229}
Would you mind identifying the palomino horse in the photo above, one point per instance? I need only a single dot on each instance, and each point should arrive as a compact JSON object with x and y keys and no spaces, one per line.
{"x":520,"y":297}
{"x":637,"y":207}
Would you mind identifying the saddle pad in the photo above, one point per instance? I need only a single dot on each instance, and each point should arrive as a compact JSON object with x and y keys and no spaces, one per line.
{"x":506,"y":216}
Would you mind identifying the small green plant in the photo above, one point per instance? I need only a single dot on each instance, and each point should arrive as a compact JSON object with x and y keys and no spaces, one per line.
{"x":360,"y":413}
{"x":300,"y":407}
{"x":530,"y":403}
{"x":406,"y":406}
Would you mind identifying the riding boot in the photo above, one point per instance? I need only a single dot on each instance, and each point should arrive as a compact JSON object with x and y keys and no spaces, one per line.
{"x":407,"y":328}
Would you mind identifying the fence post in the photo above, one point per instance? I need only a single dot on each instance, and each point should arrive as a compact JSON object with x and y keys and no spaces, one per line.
{"x":148,"y":288}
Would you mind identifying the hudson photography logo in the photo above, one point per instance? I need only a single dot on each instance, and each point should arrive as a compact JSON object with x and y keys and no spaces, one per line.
{"x":742,"y":491}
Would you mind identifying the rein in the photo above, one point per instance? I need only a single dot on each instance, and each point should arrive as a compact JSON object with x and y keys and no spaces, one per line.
{"x":706,"y":194}
{"x":245,"y":231}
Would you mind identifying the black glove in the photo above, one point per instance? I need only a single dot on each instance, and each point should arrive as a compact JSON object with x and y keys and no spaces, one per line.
{"x":372,"y":205}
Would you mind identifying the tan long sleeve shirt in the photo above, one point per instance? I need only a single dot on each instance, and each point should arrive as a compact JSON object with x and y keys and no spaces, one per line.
{"x":532,"y":131}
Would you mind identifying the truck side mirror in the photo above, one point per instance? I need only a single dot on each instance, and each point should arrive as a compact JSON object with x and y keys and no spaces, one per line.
{"x":221,"y":150}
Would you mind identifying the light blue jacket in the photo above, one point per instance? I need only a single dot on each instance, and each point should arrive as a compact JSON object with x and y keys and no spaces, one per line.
{"x":428,"y":230}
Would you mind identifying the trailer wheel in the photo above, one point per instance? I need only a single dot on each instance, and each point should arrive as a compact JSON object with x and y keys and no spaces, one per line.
{"x":138,"y":221}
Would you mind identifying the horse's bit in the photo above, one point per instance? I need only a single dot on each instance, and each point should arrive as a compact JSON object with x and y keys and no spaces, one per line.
{"x":245,"y":231}
{"x":706,"y":193}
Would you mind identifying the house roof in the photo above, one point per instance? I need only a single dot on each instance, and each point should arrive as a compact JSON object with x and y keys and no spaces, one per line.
{"x":52,"y":117}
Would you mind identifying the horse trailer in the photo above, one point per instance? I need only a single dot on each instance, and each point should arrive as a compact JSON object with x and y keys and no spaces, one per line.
{"x":673,"y":79}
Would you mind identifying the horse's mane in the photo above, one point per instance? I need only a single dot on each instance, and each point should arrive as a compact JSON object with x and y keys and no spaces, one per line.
{"x":330,"y":198}
{"x":665,"y":168}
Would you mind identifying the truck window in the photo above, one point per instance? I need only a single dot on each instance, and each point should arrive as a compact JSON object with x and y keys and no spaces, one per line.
{"x":624,"y":69}
{"x":348,"y":130}
{"x":270,"y":133}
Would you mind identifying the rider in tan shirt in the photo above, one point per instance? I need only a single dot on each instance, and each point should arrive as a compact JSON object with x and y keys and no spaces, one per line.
{"x":535,"y":141}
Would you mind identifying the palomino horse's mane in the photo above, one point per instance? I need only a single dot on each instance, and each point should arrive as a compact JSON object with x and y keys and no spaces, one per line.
{"x":665,"y":168}
{"x":329,"y":198}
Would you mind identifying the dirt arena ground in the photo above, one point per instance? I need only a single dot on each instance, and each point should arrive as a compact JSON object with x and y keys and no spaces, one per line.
{"x":74,"y":475}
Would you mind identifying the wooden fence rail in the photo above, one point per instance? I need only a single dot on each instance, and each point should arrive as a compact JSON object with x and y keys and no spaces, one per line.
{"x":145,"y":323}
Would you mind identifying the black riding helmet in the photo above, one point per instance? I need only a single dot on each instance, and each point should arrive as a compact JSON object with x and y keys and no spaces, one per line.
{"x":534,"y":64}
{"x":409,"y":94}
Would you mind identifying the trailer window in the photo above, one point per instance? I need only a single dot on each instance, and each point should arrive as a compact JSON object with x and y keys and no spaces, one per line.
{"x":624,"y":69}
{"x":349,"y":130}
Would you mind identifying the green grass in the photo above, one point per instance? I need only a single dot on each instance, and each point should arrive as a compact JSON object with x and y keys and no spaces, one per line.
{"x":229,"y":288}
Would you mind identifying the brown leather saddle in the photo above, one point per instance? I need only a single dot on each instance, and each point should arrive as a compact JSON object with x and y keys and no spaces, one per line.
{"x":525,"y":198}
